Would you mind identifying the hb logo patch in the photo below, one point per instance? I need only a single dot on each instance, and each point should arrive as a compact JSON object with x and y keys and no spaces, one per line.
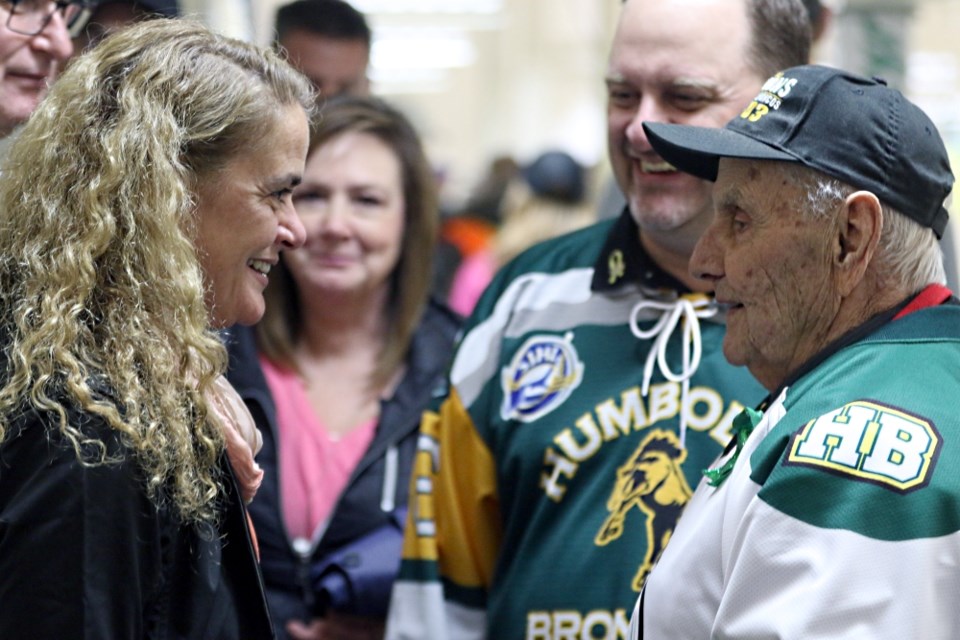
{"x":871,"y":442}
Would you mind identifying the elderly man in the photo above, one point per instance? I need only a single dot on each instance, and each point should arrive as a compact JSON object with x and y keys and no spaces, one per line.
{"x":834,"y":511}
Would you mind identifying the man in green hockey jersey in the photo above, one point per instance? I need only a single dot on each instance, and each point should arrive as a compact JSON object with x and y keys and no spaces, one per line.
{"x":589,"y":388}
{"x":834,"y":511}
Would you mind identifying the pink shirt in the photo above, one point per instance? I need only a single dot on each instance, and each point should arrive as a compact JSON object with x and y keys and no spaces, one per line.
{"x":314,"y":466}
{"x":471,"y":278}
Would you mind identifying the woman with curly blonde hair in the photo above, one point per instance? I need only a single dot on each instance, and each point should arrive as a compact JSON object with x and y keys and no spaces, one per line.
{"x":141,"y":208}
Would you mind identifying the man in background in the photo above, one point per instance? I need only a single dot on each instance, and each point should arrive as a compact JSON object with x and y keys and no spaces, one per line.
{"x":329,"y":42}
{"x":589,"y":389}
{"x":34,"y":45}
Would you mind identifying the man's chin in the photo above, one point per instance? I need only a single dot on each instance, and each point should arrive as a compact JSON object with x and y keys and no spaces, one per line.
{"x":15,"y":111}
{"x":665,"y":217}
{"x":666,"y":209}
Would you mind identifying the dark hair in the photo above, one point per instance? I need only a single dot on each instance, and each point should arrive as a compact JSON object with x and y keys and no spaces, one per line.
{"x":556,"y":175}
{"x":780,"y":35}
{"x":410,"y":282}
{"x":814,"y":10}
{"x":334,"y":19}
{"x":165,"y":8}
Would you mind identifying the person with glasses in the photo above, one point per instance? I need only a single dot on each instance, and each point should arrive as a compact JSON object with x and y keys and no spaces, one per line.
{"x":34,"y":45}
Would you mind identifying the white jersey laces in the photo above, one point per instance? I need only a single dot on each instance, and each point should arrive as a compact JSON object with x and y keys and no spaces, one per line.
{"x":690,"y":309}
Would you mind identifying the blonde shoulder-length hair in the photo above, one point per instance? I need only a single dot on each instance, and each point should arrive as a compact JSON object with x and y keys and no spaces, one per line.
{"x":282,"y":324}
{"x":101,"y":291}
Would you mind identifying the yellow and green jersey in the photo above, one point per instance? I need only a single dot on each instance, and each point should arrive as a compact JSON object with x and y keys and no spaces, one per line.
{"x":555,"y":471}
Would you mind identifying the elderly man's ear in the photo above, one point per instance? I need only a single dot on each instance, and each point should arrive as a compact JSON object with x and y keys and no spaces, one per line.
{"x":858,"y":230}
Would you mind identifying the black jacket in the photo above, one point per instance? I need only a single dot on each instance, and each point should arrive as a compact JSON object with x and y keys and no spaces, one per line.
{"x":85,"y":555}
{"x":358,"y":510}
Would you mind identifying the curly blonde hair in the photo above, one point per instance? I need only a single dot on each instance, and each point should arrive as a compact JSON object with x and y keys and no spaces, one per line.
{"x":101,"y":293}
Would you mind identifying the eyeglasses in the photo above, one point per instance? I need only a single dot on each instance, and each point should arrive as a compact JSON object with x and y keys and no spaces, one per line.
{"x":29,"y":17}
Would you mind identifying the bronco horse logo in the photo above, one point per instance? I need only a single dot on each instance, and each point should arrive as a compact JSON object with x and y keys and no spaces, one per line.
{"x":652,"y":481}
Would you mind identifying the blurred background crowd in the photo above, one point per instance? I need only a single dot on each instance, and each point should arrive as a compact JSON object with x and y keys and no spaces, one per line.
{"x":484,"y":80}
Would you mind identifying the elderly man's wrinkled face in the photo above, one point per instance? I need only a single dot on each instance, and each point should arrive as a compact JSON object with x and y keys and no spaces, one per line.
{"x":772,"y":266}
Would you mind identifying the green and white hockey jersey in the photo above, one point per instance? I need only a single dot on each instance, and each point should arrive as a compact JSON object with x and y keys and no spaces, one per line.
{"x":555,"y":471}
{"x":841,"y":516}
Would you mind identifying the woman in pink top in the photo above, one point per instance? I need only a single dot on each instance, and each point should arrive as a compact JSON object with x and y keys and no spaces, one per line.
{"x":349,"y":354}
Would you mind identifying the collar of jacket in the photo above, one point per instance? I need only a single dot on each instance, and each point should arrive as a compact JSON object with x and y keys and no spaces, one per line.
{"x":930,"y":296}
{"x":624,"y":261}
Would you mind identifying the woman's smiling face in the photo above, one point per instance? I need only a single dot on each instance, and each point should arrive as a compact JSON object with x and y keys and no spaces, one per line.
{"x":352,"y":205}
{"x":246,"y":217}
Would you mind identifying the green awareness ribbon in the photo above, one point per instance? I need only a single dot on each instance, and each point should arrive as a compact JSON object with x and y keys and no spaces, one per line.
{"x":743,"y":426}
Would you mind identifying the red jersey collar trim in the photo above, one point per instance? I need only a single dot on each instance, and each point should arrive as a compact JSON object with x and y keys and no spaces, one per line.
{"x":931,"y":296}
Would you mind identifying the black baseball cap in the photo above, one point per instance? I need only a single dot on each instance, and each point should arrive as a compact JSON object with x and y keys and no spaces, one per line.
{"x":556,"y":175}
{"x":854,"y":129}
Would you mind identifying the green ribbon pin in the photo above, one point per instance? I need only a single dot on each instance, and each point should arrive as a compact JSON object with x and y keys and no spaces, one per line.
{"x":743,"y":426}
